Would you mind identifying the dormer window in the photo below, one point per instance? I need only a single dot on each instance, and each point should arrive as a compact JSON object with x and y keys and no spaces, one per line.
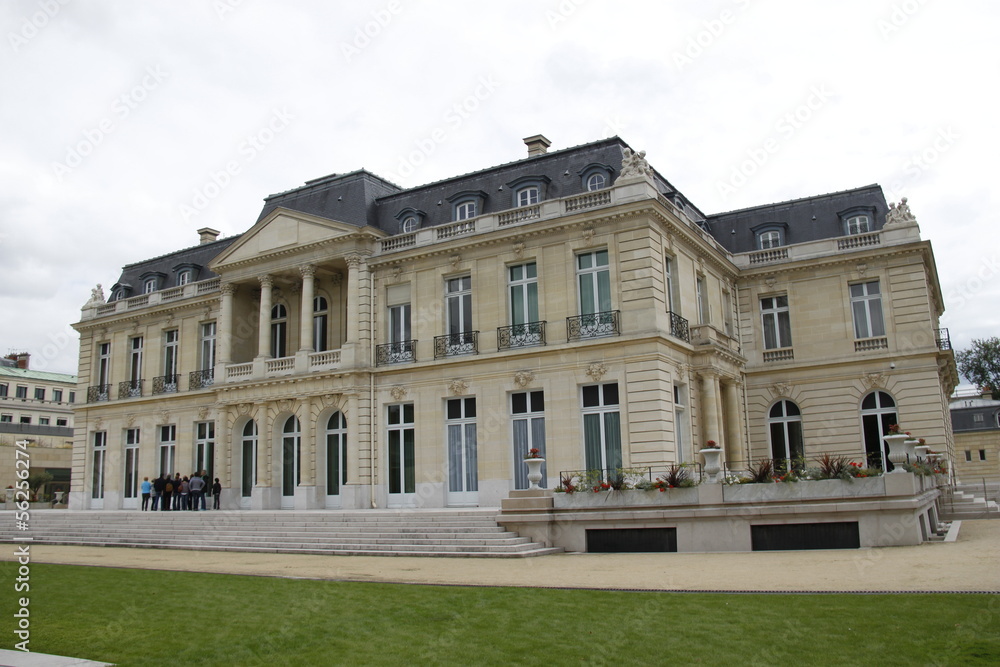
{"x":527,"y":196}
{"x":465,"y":210}
{"x":467,"y":204}
{"x":410,"y":220}
{"x":595,"y":176}
{"x":858,"y":224}
{"x":770,"y":239}
{"x":184,"y":277}
{"x":149,"y":286}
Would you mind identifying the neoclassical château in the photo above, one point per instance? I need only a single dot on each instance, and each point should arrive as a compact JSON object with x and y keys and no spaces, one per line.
{"x":364,"y":345}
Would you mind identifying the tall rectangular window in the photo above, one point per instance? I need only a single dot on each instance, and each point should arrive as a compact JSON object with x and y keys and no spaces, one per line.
{"x":3,"y":390}
{"x":104,"y":364}
{"x":670,"y":284}
{"x":682,"y":439}
{"x":57,"y":395}
{"x":463,"y":458}
{"x":135,"y":361}
{"x":866,"y":305}
{"x":401,"y":458}
{"x":321,"y":320}
{"x":207,"y":346}
{"x":21,"y":391}
{"x":39,"y":393}
{"x":168,"y":442}
{"x":523,"y":285}
{"x":602,"y":427}
{"x":727,"y":312}
{"x":703,"y":309}
{"x":171,"y":340}
{"x":776,"y":324}
{"x":458,"y":304}
{"x":97,"y":459}
{"x":527,"y":410}
{"x":399,"y":323}
{"x":204,"y":448}
{"x":131,"y":482}
{"x":594,"y":282}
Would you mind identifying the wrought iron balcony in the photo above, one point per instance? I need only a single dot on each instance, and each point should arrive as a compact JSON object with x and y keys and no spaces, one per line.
{"x":456,"y":344}
{"x":943,"y":339}
{"x":98,"y":393}
{"x":679,"y":327}
{"x":201,"y":379}
{"x":165,"y":384}
{"x":521,"y":335}
{"x":130,"y":389}
{"x":593,"y":325}
{"x":396,"y":353}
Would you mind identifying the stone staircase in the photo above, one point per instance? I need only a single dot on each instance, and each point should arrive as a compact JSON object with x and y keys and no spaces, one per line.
{"x":465,"y":532}
{"x":963,"y":504}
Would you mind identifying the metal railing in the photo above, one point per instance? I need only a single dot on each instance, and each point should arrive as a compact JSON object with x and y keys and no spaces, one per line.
{"x":201,"y":379}
{"x":593,"y":325}
{"x":456,"y":344}
{"x":679,"y":327}
{"x":943,"y":339}
{"x":130,"y":389}
{"x":165,"y":384}
{"x":98,"y":392}
{"x":521,"y":335}
{"x":396,"y":353}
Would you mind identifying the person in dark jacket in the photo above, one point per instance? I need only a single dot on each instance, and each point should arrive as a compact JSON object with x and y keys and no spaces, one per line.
{"x":159,"y":484}
{"x":197,"y":490}
{"x":216,"y":490}
{"x":168,"y":493}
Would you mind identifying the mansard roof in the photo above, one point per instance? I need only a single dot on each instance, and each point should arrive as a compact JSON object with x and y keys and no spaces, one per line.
{"x":806,"y":219}
{"x":199,"y":255}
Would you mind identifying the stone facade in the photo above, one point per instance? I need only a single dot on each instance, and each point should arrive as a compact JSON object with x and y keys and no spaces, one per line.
{"x":976,"y":423}
{"x":366,"y":346}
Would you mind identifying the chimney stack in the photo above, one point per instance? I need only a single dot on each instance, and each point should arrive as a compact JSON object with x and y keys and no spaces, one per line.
{"x":537,"y":145}
{"x":20,"y":358}
{"x":208,"y":234}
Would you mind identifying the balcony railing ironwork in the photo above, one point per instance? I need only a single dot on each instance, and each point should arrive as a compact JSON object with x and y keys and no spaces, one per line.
{"x":130,"y":389}
{"x":165,"y":384}
{"x":98,"y":393}
{"x":593,"y":325}
{"x":943,"y":339}
{"x":679,"y":327}
{"x":521,"y":335}
{"x":456,"y":344}
{"x":396,"y":353}
{"x":201,"y":379}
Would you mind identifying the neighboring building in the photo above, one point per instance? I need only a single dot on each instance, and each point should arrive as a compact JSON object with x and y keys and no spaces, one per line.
{"x":976,"y":423}
{"x":364,"y":345}
{"x":37,"y":407}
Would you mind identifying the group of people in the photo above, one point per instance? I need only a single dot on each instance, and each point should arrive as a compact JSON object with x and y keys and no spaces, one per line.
{"x":179,"y":493}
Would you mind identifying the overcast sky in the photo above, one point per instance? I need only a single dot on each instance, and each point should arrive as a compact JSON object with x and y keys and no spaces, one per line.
{"x":127,"y":125}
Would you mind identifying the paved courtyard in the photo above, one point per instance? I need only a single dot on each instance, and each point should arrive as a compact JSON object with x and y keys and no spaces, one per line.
{"x":972,"y":563}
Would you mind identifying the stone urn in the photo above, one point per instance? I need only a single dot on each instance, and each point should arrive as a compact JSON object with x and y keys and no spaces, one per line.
{"x":712,"y":465}
{"x":897,"y":450}
{"x":910,"y":446}
{"x":920,"y":451}
{"x":534,"y":472}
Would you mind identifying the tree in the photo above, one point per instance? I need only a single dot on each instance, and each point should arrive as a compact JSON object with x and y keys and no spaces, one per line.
{"x":980,"y":364}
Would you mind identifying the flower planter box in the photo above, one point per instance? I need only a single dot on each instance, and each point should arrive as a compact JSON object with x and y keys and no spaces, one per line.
{"x":631,"y":498}
{"x":804,"y":490}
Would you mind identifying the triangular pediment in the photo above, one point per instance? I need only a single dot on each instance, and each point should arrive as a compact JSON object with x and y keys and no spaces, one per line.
{"x":281,"y":231}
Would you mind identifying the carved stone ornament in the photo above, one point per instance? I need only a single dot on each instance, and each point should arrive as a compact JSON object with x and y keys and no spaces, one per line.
{"x":135,"y":325}
{"x":596,"y":371}
{"x":588,"y":235}
{"x":399,"y":392}
{"x":634,"y":164}
{"x":518,"y":248}
{"x":396,"y":271}
{"x":203,"y":413}
{"x":99,"y":424}
{"x":523,"y":378}
{"x":872,"y":380}
{"x":328,"y":400}
{"x":130,"y":420}
{"x":266,"y":281}
{"x":244,"y":408}
{"x":337,"y":278}
{"x":164,"y":416}
{"x":96,"y":296}
{"x":284,"y":405}
{"x":228,"y":289}
{"x":770,"y":281}
{"x":862,"y":268}
{"x":458,"y":387}
{"x":455,"y":260}
{"x":781,"y":389}
{"x":353,"y":260}
{"x":308,"y":270}
{"x":899,"y":214}
{"x":170,"y":318}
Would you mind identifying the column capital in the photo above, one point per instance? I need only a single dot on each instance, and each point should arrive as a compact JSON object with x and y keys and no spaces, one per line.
{"x":354,"y":260}
{"x":228,"y":289}
{"x":308,"y":270}
{"x":266,"y":280}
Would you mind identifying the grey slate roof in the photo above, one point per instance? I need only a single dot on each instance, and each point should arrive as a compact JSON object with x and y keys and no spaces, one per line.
{"x":199,"y":255}
{"x":346,"y":198}
{"x":963,"y":414}
{"x":806,"y":219}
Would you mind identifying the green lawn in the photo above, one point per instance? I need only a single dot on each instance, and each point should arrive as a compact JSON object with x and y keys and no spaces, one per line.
{"x":144,"y":617}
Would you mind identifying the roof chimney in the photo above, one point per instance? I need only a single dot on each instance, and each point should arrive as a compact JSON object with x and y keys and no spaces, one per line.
{"x":208,"y":234}
{"x":537,"y":145}
{"x":21,"y":358}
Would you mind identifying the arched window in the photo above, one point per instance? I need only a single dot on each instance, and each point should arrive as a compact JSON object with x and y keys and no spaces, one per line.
{"x":784,"y":423}
{"x":527,"y":196}
{"x":336,"y":453}
{"x":321,"y":318}
{"x":291,"y":446}
{"x":279,"y":330}
{"x":878,"y":413}
{"x":596,"y":182}
{"x":465,"y":210}
{"x":408,"y":225}
{"x":248,"y":444}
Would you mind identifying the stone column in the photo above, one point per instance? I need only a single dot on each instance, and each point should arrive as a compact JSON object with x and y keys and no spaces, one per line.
{"x":224,"y":332}
{"x":358,"y":312}
{"x":734,"y":432}
{"x":308,"y":289}
{"x":710,"y":409}
{"x":264,"y":332}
